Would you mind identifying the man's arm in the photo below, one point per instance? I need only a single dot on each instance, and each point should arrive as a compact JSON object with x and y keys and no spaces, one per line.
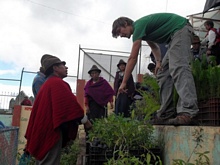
{"x":132,"y":60}
{"x":157,"y":54}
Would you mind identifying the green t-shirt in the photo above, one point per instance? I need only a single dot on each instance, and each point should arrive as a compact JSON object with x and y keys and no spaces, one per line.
{"x":157,"y":27}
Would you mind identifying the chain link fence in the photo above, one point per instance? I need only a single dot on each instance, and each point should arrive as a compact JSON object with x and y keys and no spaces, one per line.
{"x":8,"y":145}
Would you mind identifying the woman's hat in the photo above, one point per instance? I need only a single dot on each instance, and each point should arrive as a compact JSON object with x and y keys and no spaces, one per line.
{"x":49,"y":60}
{"x":121,"y":62}
{"x":94,"y":68}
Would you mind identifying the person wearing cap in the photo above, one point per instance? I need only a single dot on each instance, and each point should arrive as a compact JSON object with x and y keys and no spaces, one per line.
{"x":40,"y":78}
{"x":173,"y":71}
{"x":123,"y":100}
{"x":98,"y":93}
{"x":38,"y":81}
{"x":55,"y":115}
{"x":212,"y":41}
{"x":197,"y":50}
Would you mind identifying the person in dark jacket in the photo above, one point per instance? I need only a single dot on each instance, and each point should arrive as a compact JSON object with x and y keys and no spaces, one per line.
{"x":123,"y":100}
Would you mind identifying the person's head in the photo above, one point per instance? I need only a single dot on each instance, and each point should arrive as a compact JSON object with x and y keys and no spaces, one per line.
{"x":121,"y":65}
{"x":42,"y":70}
{"x":54,"y":66}
{"x":151,"y":67}
{"x":196,"y":42}
{"x":94,"y":73}
{"x":122,"y":27}
{"x":208,"y":24}
{"x":25,"y":97}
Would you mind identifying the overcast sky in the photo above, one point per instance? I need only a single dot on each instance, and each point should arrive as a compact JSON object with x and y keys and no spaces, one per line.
{"x":31,"y":28}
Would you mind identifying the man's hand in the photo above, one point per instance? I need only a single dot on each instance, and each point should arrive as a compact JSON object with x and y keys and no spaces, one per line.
{"x":158,"y":67}
{"x":87,"y":110}
{"x":122,"y":89}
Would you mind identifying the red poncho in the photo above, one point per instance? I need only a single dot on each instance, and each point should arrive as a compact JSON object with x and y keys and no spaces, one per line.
{"x":55,"y":104}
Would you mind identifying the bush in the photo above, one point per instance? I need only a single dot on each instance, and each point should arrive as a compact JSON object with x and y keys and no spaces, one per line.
{"x":122,"y":135}
{"x":150,"y":103}
{"x":207,"y":79}
{"x":70,"y":153}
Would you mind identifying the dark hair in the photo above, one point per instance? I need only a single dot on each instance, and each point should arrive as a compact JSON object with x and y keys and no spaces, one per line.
{"x":42,"y":70}
{"x":49,"y":71}
{"x":120,"y":22}
{"x":151,"y":66}
{"x":209,"y":23}
{"x":196,"y":39}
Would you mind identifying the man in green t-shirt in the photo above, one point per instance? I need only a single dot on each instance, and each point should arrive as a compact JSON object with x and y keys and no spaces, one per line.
{"x":173,"y":70}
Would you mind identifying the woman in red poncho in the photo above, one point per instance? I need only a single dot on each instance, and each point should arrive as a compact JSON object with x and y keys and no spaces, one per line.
{"x":55,"y":115}
{"x":98,"y":93}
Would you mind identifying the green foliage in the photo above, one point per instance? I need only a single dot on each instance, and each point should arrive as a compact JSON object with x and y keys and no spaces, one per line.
{"x":122,"y":135}
{"x":202,"y":158}
{"x":69,"y":153}
{"x":25,"y":160}
{"x":150,"y":102}
{"x":152,"y":84}
{"x":116,"y":131}
{"x":132,"y":160}
{"x":207,"y":79}
{"x":125,"y":135}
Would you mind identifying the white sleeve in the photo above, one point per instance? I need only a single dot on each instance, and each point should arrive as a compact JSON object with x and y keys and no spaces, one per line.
{"x":211,"y":37}
{"x":204,"y":41}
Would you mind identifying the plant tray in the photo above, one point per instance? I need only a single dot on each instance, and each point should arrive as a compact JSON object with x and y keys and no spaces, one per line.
{"x":209,"y":112}
{"x":98,"y":156}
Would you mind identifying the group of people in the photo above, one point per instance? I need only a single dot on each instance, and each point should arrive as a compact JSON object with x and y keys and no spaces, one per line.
{"x":200,"y":48}
{"x":98,"y":92}
{"x":173,"y":70}
{"x":209,"y":46}
{"x":56,"y":112}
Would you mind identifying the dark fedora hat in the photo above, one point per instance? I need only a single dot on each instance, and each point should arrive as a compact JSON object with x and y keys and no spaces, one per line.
{"x":49,"y":60}
{"x":94,"y":68}
{"x":121,"y":62}
{"x":45,"y":56}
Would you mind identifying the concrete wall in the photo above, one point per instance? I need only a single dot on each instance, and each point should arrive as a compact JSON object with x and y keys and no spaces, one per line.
{"x":180,"y":142}
{"x":6,"y":119}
